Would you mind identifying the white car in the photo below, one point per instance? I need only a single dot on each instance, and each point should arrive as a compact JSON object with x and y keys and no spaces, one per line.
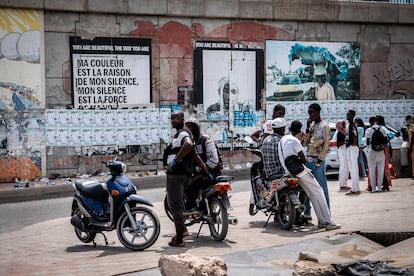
{"x":332,"y":159}
{"x":289,"y":88}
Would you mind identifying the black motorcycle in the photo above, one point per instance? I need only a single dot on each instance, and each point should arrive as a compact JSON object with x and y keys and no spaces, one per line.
{"x":283,"y":198}
{"x":114,"y":205}
{"x":214,"y":205}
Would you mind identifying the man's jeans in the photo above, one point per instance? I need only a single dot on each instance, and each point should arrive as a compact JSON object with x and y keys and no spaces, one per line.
{"x":320,"y":175}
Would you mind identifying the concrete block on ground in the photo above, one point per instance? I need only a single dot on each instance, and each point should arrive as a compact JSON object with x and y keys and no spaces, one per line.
{"x":188,"y":264}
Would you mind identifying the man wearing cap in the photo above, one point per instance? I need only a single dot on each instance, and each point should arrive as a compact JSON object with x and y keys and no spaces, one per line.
{"x":259,"y":135}
{"x":317,"y":139}
{"x":272,"y":166}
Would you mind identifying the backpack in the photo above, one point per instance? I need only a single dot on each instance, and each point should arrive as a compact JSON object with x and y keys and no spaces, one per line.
{"x":202,"y":140}
{"x":378,"y":140}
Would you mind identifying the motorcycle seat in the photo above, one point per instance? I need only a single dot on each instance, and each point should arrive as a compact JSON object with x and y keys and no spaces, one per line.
{"x":91,"y":188}
{"x":275,"y":176}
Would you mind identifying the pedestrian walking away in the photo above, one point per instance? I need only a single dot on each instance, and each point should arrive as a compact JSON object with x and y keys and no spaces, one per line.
{"x":291,"y":147}
{"x":376,"y":154}
{"x":317,"y":139}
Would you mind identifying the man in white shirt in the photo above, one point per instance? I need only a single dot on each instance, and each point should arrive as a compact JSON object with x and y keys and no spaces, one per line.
{"x":375,"y":159}
{"x":324,"y":91}
{"x":290,"y":145}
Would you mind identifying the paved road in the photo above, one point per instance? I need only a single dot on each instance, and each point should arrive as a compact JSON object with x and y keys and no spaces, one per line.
{"x":51,"y":247}
{"x":15,"y":215}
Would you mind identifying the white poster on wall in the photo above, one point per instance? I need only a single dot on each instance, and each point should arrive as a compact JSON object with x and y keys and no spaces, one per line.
{"x":107,"y":127}
{"x":394,"y":111}
{"x":110,"y":73}
{"x":229,"y":81}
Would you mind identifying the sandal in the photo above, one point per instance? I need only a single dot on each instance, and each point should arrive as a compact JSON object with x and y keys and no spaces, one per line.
{"x":185,"y":234}
{"x":174,"y":242}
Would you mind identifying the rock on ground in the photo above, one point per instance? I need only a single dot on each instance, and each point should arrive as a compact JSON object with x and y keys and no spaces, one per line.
{"x":308,"y":265}
{"x":190,"y":265}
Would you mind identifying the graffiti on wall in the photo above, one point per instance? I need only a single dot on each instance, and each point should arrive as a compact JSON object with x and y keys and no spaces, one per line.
{"x":21,"y":95}
{"x":391,"y":80}
{"x":394,"y":80}
{"x":403,"y":69}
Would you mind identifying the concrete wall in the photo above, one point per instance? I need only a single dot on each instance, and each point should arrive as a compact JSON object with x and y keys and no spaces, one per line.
{"x":384,"y":31}
{"x":300,"y":10}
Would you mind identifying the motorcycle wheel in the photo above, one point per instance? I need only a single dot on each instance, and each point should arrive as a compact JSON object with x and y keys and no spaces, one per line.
{"x":85,"y":237}
{"x":187,"y":221}
{"x":147,"y":232}
{"x":253,"y":209}
{"x":219,"y":223}
{"x":286,"y":214}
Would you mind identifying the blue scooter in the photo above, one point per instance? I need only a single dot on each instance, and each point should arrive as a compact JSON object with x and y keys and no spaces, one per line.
{"x":99,"y":207}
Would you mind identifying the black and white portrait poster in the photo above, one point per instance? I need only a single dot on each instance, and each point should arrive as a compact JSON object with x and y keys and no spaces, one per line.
{"x":229,"y":81}
{"x":109,"y":73}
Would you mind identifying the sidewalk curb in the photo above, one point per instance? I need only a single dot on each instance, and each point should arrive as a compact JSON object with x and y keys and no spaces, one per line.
{"x":29,"y":194}
{"x":65,"y":190}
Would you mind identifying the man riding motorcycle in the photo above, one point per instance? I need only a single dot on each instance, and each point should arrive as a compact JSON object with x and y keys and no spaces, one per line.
{"x":207,"y":150}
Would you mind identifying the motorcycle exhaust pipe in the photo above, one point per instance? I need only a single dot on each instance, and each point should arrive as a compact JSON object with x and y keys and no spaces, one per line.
{"x":233,"y":220}
{"x":77,"y":222}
